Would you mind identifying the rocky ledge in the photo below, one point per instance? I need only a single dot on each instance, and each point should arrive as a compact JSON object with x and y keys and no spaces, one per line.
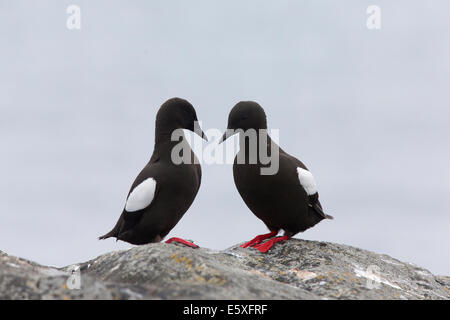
{"x":296,"y":269}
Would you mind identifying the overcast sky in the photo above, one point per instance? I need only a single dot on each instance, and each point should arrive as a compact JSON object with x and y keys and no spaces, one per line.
{"x":366,"y":110}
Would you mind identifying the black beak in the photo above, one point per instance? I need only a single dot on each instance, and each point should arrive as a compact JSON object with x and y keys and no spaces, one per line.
{"x":199,"y":131}
{"x":228,"y":133}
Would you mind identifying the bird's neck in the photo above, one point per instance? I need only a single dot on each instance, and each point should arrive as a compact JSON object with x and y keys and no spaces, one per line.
{"x":165,"y":134}
{"x":170,"y":147}
{"x":253,"y":144}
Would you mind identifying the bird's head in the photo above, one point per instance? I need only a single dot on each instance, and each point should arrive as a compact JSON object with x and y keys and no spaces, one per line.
{"x":177,"y":113}
{"x":245,"y":115}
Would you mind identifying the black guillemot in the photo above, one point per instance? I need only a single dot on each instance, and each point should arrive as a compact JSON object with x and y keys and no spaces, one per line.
{"x":286,"y":200}
{"x":163,"y":191}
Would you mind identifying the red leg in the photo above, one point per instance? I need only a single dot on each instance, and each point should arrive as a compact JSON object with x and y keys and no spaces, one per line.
{"x":258,"y":239}
{"x":179,"y":240}
{"x":264,"y":247}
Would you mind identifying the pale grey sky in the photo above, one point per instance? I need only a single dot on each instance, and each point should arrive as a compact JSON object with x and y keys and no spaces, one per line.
{"x":367,"y":111}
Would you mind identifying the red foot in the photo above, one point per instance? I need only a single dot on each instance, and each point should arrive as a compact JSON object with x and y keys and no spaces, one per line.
{"x":258,"y":239}
{"x":186,"y":243}
{"x":264,"y":247}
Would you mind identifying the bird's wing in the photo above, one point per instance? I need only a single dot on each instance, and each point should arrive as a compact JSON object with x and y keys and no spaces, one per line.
{"x":141,"y":196}
{"x":308,"y":183}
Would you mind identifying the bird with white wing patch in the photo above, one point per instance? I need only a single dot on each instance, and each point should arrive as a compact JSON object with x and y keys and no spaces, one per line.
{"x":163,"y":191}
{"x":286,"y":200}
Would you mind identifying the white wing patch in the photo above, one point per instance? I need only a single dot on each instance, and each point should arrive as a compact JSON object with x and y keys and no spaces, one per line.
{"x":141,"y":196}
{"x":307,"y":181}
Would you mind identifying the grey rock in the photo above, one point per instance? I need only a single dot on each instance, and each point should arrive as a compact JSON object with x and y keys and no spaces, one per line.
{"x":296,"y":269}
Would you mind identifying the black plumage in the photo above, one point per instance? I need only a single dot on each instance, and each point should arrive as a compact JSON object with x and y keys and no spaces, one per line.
{"x":174,"y":186}
{"x":279,"y":200}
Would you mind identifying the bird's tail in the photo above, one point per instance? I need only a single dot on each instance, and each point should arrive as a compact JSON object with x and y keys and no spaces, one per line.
{"x":106,"y":236}
{"x":116,"y":231}
{"x":113,"y":233}
{"x":318,"y":209}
